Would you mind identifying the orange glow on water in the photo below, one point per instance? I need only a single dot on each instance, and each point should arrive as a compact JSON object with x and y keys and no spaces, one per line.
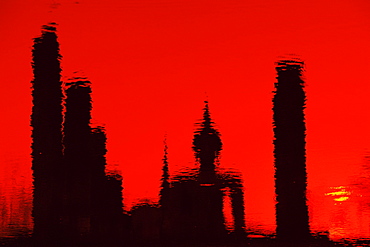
{"x":227,"y":211}
{"x":340,"y":195}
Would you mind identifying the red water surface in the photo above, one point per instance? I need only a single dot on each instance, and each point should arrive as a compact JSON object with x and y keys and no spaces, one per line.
{"x":152,"y":63}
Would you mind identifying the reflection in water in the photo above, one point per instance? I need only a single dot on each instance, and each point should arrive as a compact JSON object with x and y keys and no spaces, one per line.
{"x":227,"y":210}
{"x":339,"y":194}
{"x":340,"y":209}
{"x":202,"y":201}
{"x":15,"y":199}
{"x":206,"y":203}
{"x":292,"y":221}
{"x":342,"y":212}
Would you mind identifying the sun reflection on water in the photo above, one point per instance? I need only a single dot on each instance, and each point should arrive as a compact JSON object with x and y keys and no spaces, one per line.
{"x":340,"y":194}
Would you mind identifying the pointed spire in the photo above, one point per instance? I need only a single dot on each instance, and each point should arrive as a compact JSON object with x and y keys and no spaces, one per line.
{"x":165,"y":169}
{"x":205,"y":129}
{"x":207,"y":145}
{"x":165,"y":186}
{"x":207,"y":122}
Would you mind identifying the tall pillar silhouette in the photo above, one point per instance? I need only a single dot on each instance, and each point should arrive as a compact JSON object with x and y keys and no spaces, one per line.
{"x":46,"y":123}
{"x":109,"y":225}
{"x":290,"y":160}
{"x":77,"y":161}
{"x":237,"y":206}
{"x":93,"y":210}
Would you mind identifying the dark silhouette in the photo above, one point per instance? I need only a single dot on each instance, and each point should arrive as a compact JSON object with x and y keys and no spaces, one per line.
{"x":46,"y":122}
{"x":165,"y":185}
{"x":77,"y":164}
{"x":290,"y":160}
{"x":77,"y":203}
{"x":209,"y":215}
{"x":109,"y":224}
{"x":192,"y":203}
{"x":146,"y":224}
{"x":93,"y":209}
{"x":207,"y":146}
{"x":231,"y":184}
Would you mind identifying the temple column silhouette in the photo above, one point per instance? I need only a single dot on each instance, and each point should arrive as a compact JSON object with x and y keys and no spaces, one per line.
{"x":290,"y":160}
{"x":75,"y":201}
{"x":77,"y":161}
{"x":46,"y":123}
{"x":93,"y":209}
{"x":237,"y":206}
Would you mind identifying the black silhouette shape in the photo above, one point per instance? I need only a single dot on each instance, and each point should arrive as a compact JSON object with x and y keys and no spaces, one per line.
{"x":109,"y":224}
{"x":93,"y":201}
{"x":165,"y":186}
{"x":75,"y":202}
{"x":46,"y":122}
{"x":192,"y":204}
{"x":290,"y":160}
{"x":77,"y":167}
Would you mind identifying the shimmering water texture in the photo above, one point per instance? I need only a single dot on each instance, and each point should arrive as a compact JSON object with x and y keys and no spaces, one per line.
{"x":77,"y":203}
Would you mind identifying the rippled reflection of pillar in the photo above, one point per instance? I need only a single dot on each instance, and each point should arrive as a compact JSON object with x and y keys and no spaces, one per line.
{"x":237,"y":204}
{"x":108,"y":223}
{"x":77,"y":163}
{"x":290,"y":160}
{"x":46,"y":122}
{"x":93,"y":207}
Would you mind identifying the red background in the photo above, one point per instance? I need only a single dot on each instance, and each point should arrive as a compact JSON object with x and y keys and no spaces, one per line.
{"x":152,"y":63}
